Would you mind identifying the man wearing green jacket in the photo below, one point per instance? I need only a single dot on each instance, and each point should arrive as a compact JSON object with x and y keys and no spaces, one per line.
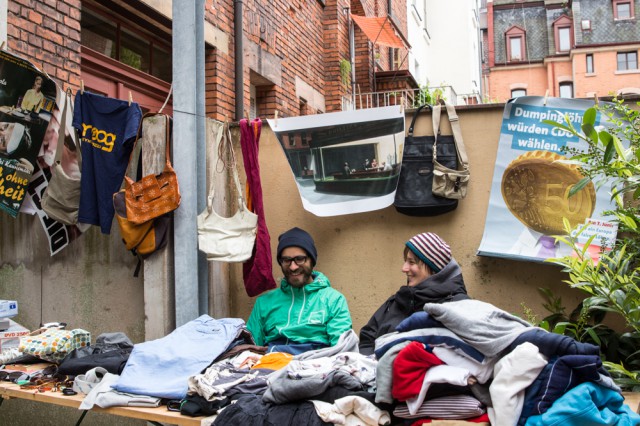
{"x":305,"y":313}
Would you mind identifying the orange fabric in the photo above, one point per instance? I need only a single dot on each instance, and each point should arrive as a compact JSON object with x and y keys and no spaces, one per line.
{"x":380,"y":31}
{"x":274,"y":361}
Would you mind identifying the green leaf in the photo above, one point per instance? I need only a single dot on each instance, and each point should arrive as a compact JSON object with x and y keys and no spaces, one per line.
{"x":594,"y":335}
{"x":606,"y":141}
{"x":559,"y":126}
{"x":618,"y":146}
{"x":629,"y":221}
{"x":589,"y":116}
{"x":544,"y":325}
{"x":590,"y":132}
{"x":578,"y":186}
{"x":560,"y":328}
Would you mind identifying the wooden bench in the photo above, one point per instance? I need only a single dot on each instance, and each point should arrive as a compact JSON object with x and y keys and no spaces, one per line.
{"x":154,"y":415}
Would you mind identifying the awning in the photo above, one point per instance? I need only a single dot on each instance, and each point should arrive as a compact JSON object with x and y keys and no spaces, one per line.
{"x":381,"y":31}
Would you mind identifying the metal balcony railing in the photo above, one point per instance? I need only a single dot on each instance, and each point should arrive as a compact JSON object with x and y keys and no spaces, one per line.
{"x":410,"y":98}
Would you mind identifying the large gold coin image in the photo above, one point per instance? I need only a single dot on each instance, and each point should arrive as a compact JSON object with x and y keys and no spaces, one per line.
{"x":536,"y":190}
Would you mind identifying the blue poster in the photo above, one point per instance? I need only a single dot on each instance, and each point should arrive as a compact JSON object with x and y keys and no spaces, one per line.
{"x":533,"y":175}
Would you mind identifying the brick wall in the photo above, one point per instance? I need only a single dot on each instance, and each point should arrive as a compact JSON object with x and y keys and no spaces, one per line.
{"x":307,"y":37}
{"x":47,"y":33}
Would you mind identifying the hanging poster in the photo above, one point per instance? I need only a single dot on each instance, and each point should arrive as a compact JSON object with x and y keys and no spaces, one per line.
{"x":27,"y":98}
{"x":531,"y":182}
{"x":344,"y":162}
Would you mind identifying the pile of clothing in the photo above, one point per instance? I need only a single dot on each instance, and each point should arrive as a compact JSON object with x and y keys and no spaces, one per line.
{"x":459,"y":361}
{"x":470,"y":360}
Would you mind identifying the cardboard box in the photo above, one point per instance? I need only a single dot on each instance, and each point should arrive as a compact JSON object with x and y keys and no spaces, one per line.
{"x":10,"y":337}
{"x":8,"y":308}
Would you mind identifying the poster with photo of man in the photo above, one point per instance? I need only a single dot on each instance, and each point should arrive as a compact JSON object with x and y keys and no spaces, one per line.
{"x":27,"y":98}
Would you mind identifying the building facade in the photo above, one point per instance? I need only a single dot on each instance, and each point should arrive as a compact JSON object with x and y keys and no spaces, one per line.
{"x":576,"y":48}
{"x":291,"y":51}
{"x":445,"y":48}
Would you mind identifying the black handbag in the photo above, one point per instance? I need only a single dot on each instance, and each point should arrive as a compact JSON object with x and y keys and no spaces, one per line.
{"x":413,"y":194}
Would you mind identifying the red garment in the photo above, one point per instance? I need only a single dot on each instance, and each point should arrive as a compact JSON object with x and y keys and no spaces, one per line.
{"x":257,"y":271}
{"x":409,"y":369}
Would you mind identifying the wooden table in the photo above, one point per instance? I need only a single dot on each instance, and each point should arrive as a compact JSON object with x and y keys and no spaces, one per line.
{"x":157,"y":414}
{"x":632,"y":399}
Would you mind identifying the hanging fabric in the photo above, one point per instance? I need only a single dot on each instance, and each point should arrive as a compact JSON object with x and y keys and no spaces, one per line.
{"x":257,"y":271}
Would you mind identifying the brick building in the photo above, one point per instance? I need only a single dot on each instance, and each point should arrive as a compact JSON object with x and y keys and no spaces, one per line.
{"x":576,"y":48}
{"x":292,"y":51}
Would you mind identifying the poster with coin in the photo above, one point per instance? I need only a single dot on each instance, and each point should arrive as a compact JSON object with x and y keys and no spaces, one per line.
{"x":531,"y":183}
{"x":344,"y":162}
{"x":27,"y":98}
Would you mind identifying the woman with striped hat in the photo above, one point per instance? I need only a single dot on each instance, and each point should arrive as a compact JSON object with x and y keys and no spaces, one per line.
{"x":432,"y":276}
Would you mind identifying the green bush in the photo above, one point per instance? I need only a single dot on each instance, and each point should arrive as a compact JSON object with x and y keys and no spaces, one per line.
{"x":613,"y":284}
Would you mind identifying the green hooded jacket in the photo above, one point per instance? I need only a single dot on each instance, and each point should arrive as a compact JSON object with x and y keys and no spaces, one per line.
{"x":313,"y":313}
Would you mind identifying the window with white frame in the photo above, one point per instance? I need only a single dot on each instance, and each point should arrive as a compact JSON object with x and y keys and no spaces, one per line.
{"x":562,"y":28}
{"x":516,"y":93}
{"x":627,"y":61}
{"x":623,"y":9}
{"x":590,"y":64}
{"x":566,"y":89}
{"x":516,"y":42}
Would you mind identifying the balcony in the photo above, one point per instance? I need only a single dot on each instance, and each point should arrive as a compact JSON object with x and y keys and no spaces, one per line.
{"x":409,"y":98}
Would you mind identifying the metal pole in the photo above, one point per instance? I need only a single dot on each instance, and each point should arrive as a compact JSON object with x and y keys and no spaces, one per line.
{"x":203,"y":268}
{"x":185,"y":140}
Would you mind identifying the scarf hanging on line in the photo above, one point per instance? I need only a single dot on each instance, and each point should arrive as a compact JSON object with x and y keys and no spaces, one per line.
{"x":257,"y":271}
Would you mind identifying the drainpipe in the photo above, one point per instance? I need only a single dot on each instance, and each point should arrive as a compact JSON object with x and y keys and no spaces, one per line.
{"x":201,"y":155}
{"x":352,"y":58}
{"x":237,"y":23}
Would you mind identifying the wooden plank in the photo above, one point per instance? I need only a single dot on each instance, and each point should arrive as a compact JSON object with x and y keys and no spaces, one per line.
{"x":156,"y":414}
{"x":158,"y":268}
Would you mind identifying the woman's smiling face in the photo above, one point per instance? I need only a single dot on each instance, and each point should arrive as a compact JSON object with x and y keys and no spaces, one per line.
{"x":415,"y":269}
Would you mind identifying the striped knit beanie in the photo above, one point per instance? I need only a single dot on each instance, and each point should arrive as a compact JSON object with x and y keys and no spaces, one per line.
{"x":431,"y":249}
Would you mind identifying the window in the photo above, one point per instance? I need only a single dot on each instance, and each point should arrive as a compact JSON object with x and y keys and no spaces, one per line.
{"x":566,"y":89}
{"x":623,"y":9}
{"x":516,"y":93}
{"x":590,"y":69}
{"x":627,"y":61}
{"x":516,"y":42}
{"x":420,"y":12}
{"x":562,"y":28}
{"x":397,"y":59}
{"x":126,"y":44}
{"x":564,"y":39}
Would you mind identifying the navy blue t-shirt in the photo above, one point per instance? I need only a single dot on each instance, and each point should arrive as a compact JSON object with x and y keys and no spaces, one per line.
{"x":107,"y":129}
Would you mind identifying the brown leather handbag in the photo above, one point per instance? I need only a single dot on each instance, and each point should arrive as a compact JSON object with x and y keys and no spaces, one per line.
{"x":153,"y":195}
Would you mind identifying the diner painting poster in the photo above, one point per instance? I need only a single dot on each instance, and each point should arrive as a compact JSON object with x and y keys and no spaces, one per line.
{"x":529,"y":198}
{"x":27,"y":97}
{"x":344,"y":162}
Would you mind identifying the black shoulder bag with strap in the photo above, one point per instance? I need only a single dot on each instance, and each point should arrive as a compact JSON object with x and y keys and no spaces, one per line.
{"x":414,"y":196}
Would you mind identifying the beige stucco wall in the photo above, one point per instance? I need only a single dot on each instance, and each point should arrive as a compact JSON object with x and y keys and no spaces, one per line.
{"x":362,"y":253}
